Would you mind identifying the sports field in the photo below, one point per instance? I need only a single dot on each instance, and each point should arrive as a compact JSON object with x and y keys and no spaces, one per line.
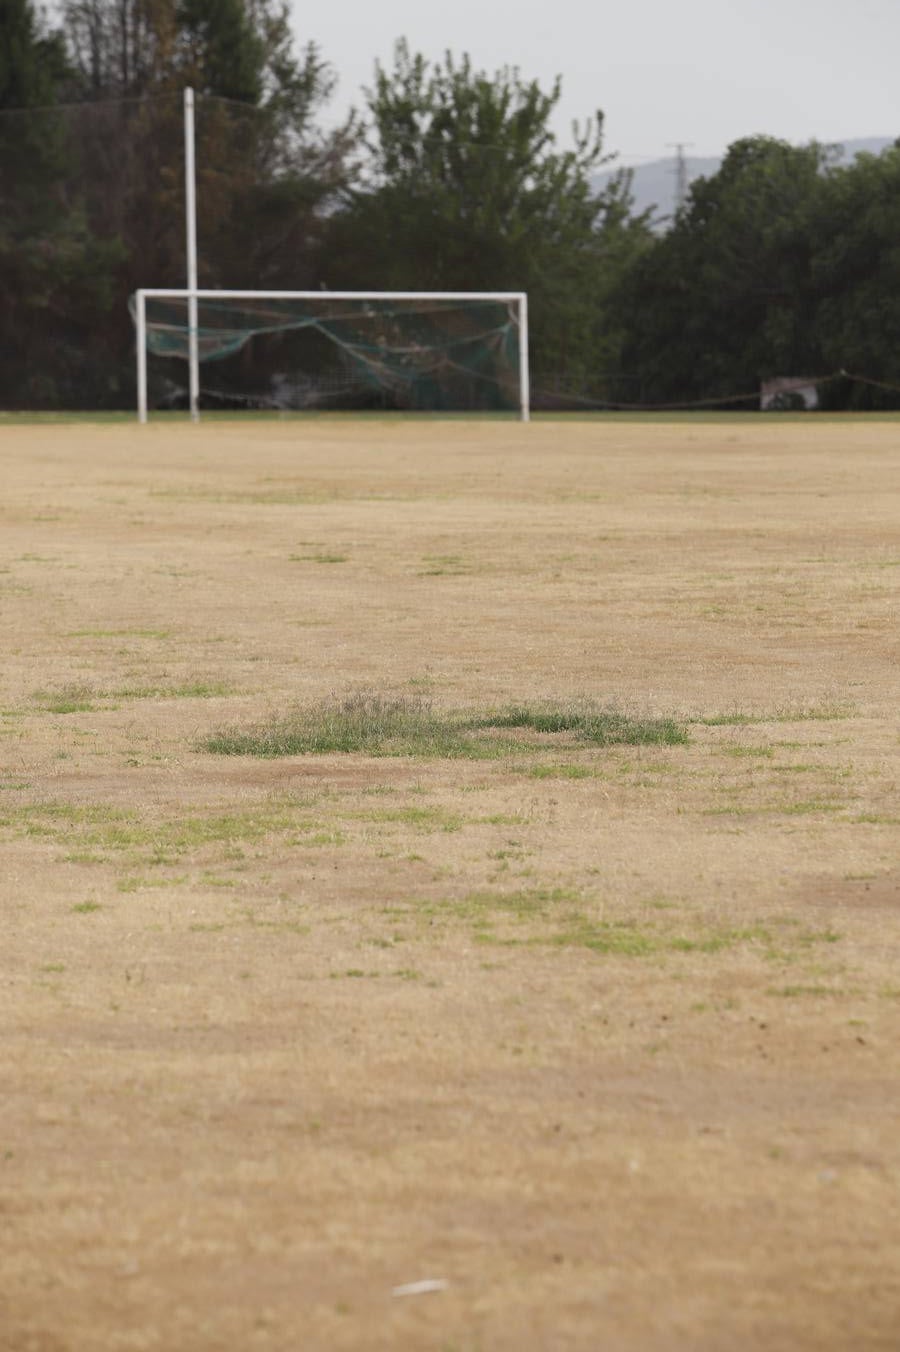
{"x":571,"y":986}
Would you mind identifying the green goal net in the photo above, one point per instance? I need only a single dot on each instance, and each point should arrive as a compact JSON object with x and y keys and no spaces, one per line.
{"x":286,"y":350}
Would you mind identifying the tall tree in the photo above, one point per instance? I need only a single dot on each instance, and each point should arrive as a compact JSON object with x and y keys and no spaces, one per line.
{"x":221,"y":51}
{"x":470,"y":191}
{"x":51,"y":271}
{"x":856,"y":276}
{"x":265,"y":175}
{"x":32,"y":68}
{"x":118,"y":48}
{"x":32,"y":61}
{"x":726,"y":298}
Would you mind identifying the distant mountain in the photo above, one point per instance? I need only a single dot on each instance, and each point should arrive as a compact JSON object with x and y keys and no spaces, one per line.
{"x":654,"y":183}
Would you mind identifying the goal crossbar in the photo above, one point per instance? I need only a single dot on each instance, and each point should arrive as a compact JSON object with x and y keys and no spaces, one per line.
{"x":191,"y":295}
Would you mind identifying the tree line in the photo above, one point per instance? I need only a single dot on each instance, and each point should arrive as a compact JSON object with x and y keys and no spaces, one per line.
{"x":784,"y":262}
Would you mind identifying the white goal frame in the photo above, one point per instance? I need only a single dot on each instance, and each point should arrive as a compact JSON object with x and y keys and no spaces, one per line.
{"x":192,"y":296}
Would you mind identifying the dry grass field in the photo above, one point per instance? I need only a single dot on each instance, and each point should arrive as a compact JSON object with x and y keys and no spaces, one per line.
{"x":599,"y":1033}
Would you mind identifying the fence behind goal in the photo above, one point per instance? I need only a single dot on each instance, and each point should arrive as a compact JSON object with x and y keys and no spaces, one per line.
{"x":434,"y":351}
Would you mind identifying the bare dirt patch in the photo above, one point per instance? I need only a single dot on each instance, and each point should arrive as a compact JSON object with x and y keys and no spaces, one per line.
{"x":603,"y":1037}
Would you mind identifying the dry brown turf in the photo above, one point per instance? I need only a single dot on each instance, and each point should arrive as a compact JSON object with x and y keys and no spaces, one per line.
{"x":607,"y":1040}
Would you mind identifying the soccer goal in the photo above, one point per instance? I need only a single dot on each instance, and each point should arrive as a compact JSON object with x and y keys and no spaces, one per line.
{"x":429,"y":351}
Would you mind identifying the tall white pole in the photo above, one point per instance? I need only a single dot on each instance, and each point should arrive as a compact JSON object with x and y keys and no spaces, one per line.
{"x":524,"y":376}
{"x":190,"y":200}
{"x":141,"y":318}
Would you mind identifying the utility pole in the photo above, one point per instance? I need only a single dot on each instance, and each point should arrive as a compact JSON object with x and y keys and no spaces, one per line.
{"x":681,"y":172}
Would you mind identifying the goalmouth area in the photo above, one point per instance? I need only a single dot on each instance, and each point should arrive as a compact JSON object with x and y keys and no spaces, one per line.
{"x":450,"y":852}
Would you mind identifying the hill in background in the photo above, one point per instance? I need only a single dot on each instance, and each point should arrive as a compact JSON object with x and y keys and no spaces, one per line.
{"x":654,"y":183}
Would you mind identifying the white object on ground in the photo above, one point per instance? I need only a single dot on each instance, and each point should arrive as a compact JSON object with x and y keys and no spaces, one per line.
{"x":422,"y":1288}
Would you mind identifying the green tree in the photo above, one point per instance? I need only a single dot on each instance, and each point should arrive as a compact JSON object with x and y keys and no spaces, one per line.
{"x":856,"y":276}
{"x":32,"y":61}
{"x":468,"y":190}
{"x":264,"y":172}
{"x":726,"y":298}
{"x":221,"y":51}
{"x":32,"y":68}
{"x":51,"y":270}
{"x":265,"y":175}
{"x":269,"y":179}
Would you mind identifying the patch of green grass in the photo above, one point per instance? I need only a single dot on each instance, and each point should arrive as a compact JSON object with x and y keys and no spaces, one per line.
{"x":139,"y":884}
{"x":532,"y":901}
{"x":809,"y":807}
{"x":628,"y":938}
{"x":717,"y":941}
{"x":270,"y":498}
{"x":313,"y":839}
{"x":118,"y":633}
{"x":599,"y":727}
{"x":620,"y":938}
{"x":727,"y":721}
{"x":421,"y":818}
{"x":561,"y":772}
{"x":99,"y":833}
{"x":797,"y":992}
{"x":804,"y":808}
{"x":73,"y":698}
{"x":78,"y":697}
{"x":814,"y":713}
{"x":444,"y":565}
{"x":86,"y":907}
{"x":483,"y":907}
{"x":561,"y":917}
{"x":52,"y":818}
{"x":380,"y":725}
{"x":318,"y":558}
{"x":374,"y":725}
{"x":187,"y":690}
{"x":735,"y":749}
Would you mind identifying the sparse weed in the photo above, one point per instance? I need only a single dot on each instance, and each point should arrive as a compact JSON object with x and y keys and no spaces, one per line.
{"x":371,"y":724}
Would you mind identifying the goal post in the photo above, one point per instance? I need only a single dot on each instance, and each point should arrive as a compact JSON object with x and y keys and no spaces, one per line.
{"x":406,"y":347}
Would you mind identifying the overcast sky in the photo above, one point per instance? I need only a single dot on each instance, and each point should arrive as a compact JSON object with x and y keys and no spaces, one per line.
{"x":700,"y":71}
